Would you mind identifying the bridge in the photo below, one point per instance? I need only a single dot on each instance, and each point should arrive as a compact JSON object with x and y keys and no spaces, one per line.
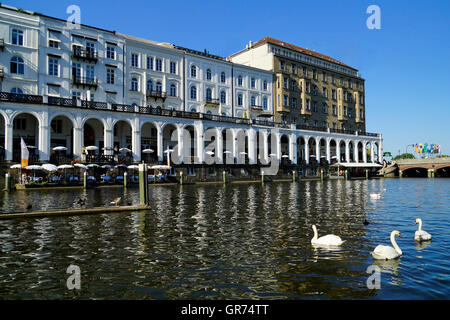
{"x":431,"y":167}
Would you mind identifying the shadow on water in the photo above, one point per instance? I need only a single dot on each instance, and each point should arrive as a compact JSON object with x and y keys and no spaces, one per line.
{"x":246,"y":241}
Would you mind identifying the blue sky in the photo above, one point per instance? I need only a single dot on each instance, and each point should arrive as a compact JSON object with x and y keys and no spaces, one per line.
{"x":405,"y":64}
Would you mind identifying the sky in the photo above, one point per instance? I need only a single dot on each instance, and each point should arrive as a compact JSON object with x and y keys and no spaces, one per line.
{"x":405,"y":63}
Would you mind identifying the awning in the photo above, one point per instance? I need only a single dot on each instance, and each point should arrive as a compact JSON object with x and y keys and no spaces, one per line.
{"x":357,"y":165}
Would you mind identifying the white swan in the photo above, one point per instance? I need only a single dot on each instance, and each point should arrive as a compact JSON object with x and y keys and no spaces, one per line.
{"x":328,"y":240}
{"x":375,"y":196}
{"x":382,"y":252}
{"x":420,"y":234}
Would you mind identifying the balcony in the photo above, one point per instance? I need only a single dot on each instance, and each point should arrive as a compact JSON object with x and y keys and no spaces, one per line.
{"x":2,"y":73}
{"x":342,"y":117}
{"x":83,"y":54}
{"x":209,"y":102}
{"x":156,"y":94}
{"x":85,"y":81}
{"x":64,"y":102}
{"x":21,"y":98}
{"x":305,"y":112}
{"x":2,"y":44}
{"x":256,"y":108}
{"x":283,"y":109}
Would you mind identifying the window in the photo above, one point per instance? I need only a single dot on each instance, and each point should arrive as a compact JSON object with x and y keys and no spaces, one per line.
{"x":265,"y":85}
{"x":90,"y":72}
{"x":110,"y":75}
{"x":53,"y":44}
{"x":134,"y":60}
{"x":17,"y":66}
{"x":308,"y":87}
{"x":293,"y":85}
{"x":193,"y":71}
{"x":252,"y":83}
{"x":285,"y":82}
{"x":333,"y":94}
{"x":111,"y":52}
{"x":294,"y":103}
{"x":325,"y":108}
{"x":282,"y":65}
{"x":56,"y":125}
{"x":150,"y":63}
{"x":90,"y":48}
{"x":76,"y":94}
{"x":16,"y":90}
{"x":173,"y":67}
{"x":52,"y":90}
{"x":315,"y":90}
{"x":286,"y":101}
{"x":265,"y":102}
{"x":17,"y":37}
{"x":308,"y":105}
{"x":253,"y":101}
{"x":294,"y":69}
{"x":334,"y":110}
{"x":345,"y":110}
{"x":149,"y":85}
{"x":134,"y":84}
{"x":314,"y":74}
{"x":325,"y":92}
{"x":193,"y":110}
{"x":222,"y":77}
{"x":305,"y":71}
{"x":239,"y":81}
{"x":360,"y":114}
{"x":173,"y":90}
{"x":20,"y":124}
{"x":223,"y":97}
{"x":158,"y":86}
{"x":208,"y":94}
{"x":332,"y":79}
{"x":158,"y":65}
{"x":239,"y":99}
{"x":208,"y":74}
{"x":324,"y":77}
{"x":193,"y":92}
{"x":350,"y":112}
{"x":53,"y":66}
{"x":314,"y":106}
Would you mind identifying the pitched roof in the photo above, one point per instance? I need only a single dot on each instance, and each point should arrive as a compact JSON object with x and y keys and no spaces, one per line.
{"x":298,"y":49}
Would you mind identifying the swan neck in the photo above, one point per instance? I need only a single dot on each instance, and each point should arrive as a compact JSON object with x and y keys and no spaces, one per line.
{"x":420,"y":225}
{"x":315,"y":233}
{"x":394,"y":243}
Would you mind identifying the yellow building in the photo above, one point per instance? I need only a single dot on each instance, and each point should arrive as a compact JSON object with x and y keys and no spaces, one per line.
{"x":310,"y":89}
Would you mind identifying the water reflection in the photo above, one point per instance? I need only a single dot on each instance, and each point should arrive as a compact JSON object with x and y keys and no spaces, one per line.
{"x":226,"y":242}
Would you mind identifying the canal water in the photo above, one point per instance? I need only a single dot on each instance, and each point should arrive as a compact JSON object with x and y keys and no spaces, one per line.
{"x":248,"y":241}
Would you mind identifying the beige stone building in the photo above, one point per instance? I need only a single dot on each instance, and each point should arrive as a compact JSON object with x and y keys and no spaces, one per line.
{"x":309,"y":89}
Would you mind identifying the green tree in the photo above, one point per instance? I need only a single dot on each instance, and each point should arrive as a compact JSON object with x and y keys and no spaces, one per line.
{"x":405,"y":156}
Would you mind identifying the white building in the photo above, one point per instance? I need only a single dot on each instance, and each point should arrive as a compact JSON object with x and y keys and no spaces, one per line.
{"x":78,"y":86}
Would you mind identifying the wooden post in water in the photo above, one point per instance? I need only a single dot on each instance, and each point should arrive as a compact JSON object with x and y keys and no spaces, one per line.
{"x":224,"y":177}
{"x":346,"y":174}
{"x":400,"y":174}
{"x":125,"y":179}
{"x":367,"y":174}
{"x":181,"y":177}
{"x":321,"y":174}
{"x":262,"y":176}
{"x":293,"y":175}
{"x":143,"y":184}
{"x":7,"y":182}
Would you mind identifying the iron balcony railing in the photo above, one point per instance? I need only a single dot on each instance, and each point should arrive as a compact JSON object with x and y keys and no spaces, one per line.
{"x":156,"y":94}
{"x":212,"y":101}
{"x":76,"y":103}
{"x":21,"y":98}
{"x":85,"y":81}
{"x":82,"y":53}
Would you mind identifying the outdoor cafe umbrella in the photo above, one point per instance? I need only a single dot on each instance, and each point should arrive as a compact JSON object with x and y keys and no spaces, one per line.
{"x":285,"y":156}
{"x":210,"y":152}
{"x":92,"y":165}
{"x":65,"y":166}
{"x":60,"y":148}
{"x":49,"y":167}
{"x":16,"y":166}
{"x":80,"y":165}
{"x":33,"y":168}
{"x":148,"y":151}
{"x":124,"y":150}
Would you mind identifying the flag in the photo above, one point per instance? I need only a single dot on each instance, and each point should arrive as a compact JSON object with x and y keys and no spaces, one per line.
{"x":25,"y":153}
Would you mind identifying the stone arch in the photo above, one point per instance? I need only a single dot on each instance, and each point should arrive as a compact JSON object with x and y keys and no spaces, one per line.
{"x":61,"y":132}
{"x":26,"y":125}
{"x":149,"y":140}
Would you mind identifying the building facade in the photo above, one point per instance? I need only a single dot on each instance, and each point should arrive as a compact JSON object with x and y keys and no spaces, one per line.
{"x":79,"y":86}
{"x":310,"y":88}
